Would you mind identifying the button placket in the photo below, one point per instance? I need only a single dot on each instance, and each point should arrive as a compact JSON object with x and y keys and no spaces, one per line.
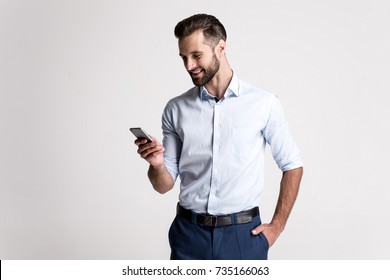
{"x":217,"y":157}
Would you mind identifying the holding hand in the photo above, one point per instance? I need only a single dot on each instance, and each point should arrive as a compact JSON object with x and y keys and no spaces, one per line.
{"x":152,"y":152}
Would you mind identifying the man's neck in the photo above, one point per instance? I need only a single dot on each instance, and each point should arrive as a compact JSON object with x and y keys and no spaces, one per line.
{"x":220,"y":82}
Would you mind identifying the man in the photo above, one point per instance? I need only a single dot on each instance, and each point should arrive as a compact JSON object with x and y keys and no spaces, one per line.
{"x":214,"y":139}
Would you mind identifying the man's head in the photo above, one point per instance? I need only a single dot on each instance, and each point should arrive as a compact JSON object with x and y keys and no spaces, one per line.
{"x":202,"y":46}
{"x":212,"y":28}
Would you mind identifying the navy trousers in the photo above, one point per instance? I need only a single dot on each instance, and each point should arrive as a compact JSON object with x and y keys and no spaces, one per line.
{"x":190,"y":241}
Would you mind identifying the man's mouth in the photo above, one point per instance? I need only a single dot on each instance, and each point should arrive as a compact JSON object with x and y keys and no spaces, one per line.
{"x":196,"y":73}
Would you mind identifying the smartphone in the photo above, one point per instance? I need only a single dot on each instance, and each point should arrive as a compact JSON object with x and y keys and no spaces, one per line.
{"x":140,"y":133}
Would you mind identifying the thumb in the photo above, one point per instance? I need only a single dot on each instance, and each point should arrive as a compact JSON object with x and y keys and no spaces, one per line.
{"x":257,"y":230}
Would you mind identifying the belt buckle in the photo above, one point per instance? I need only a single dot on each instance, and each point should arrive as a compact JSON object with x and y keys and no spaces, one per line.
{"x":208,"y":220}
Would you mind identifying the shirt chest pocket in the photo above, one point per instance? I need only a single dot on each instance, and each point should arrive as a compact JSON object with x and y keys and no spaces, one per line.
{"x":243,"y":139}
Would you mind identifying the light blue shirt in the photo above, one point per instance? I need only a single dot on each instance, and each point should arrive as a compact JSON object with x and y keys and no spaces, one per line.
{"x":217,"y":148}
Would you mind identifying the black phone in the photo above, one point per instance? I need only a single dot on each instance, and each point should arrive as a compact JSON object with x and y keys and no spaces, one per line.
{"x":140,"y":133}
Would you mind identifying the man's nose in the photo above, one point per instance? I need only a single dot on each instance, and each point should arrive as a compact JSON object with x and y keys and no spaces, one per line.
{"x":190,"y":64}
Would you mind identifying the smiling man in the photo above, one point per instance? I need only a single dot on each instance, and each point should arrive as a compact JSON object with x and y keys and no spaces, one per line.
{"x":196,"y":55}
{"x":215,"y":136}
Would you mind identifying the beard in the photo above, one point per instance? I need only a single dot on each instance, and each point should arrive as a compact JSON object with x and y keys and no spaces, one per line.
{"x":209,"y":73}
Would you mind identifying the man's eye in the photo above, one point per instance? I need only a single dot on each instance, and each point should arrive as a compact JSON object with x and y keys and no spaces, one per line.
{"x":197,"y":56}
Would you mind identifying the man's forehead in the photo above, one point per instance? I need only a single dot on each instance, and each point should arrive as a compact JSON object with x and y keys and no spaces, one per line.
{"x":192,"y":43}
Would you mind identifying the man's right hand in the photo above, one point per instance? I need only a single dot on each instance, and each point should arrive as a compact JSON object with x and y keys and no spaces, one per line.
{"x":152,"y":152}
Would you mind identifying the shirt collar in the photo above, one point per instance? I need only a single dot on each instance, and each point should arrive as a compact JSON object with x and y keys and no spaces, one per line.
{"x":232,"y":90}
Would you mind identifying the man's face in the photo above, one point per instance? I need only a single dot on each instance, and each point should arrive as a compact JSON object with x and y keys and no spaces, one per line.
{"x":199,"y":59}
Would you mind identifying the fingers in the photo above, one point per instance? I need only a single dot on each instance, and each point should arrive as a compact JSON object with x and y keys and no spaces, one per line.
{"x":143,"y":146}
{"x":139,"y":142}
{"x":147,"y":150}
{"x":269,"y":231}
{"x":151,"y":152}
{"x":258,"y":229}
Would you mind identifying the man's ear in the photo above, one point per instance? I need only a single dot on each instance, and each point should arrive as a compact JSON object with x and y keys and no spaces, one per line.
{"x":220,"y":48}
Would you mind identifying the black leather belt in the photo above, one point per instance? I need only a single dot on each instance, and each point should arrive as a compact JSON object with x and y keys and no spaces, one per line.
{"x":218,"y":221}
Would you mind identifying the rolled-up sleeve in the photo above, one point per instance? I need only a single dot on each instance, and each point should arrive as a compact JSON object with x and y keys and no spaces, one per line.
{"x":284,"y":150}
{"x":171,"y":142}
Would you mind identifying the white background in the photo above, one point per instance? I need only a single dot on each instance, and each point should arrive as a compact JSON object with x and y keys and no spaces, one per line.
{"x":75,"y":75}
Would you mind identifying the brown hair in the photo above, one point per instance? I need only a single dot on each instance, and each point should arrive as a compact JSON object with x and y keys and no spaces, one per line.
{"x":213,"y":30}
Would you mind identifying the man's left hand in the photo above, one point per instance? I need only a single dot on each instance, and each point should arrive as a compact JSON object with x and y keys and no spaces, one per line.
{"x":270,"y":231}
